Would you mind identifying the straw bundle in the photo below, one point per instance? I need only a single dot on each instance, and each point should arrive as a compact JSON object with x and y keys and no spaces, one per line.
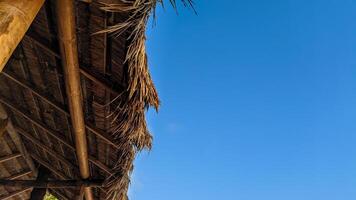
{"x":129,"y":124}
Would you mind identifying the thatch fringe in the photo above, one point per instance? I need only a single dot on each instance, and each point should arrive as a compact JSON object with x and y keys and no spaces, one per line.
{"x":129,"y":123}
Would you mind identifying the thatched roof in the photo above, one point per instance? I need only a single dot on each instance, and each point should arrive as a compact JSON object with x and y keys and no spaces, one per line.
{"x":117,"y":89}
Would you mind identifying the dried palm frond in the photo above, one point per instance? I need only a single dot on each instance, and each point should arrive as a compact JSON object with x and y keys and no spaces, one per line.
{"x":128,"y":119}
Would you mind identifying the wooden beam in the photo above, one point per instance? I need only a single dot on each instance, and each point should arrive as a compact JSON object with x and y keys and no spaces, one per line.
{"x":51,"y":183}
{"x":49,"y":166}
{"x":95,"y":77}
{"x":44,"y":147}
{"x":99,"y":133}
{"x":37,"y":193}
{"x":98,"y":79}
{"x":70,"y":62}
{"x":38,"y":41}
{"x":53,"y":170}
{"x":39,"y":124}
{"x":58,"y":156}
{"x":35,"y":91}
{"x":15,"y":137}
{"x":53,"y":133}
{"x":9,"y":157}
{"x":16,"y":17}
{"x":19,"y":175}
{"x":13,"y":194}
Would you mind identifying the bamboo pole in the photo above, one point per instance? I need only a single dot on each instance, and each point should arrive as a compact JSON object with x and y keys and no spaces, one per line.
{"x":16,"y":17}
{"x":69,"y":53}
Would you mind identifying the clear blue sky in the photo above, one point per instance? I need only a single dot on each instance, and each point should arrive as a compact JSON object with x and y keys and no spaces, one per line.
{"x":258,"y":102}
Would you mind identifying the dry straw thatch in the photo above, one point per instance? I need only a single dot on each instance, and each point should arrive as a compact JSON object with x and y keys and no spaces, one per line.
{"x":129,"y":124}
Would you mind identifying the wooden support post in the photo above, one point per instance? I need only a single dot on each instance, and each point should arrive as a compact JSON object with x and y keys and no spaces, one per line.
{"x":16,"y":17}
{"x":37,"y":193}
{"x":43,"y":184}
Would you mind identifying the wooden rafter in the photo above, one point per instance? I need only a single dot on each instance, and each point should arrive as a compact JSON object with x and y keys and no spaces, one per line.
{"x":101,"y":134}
{"x":53,"y":133}
{"x":45,"y":148}
{"x":115,"y":89}
{"x":15,"y":137}
{"x":13,"y":194}
{"x":19,"y":175}
{"x":48,"y":166}
{"x":59,"y":157}
{"x":53,"y":170}
{"x":37,"y":123}
{"x":9,"y":157}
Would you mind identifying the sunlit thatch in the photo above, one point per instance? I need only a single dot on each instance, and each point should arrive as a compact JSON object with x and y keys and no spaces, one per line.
{"x":129,"y":118}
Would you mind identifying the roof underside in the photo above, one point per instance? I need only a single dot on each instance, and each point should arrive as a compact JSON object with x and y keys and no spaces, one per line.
{"x":32,"y":91}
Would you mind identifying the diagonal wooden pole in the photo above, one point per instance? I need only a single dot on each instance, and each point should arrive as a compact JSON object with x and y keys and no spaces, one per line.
{"x":16,"y":17}
{"x":70,"y":62}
